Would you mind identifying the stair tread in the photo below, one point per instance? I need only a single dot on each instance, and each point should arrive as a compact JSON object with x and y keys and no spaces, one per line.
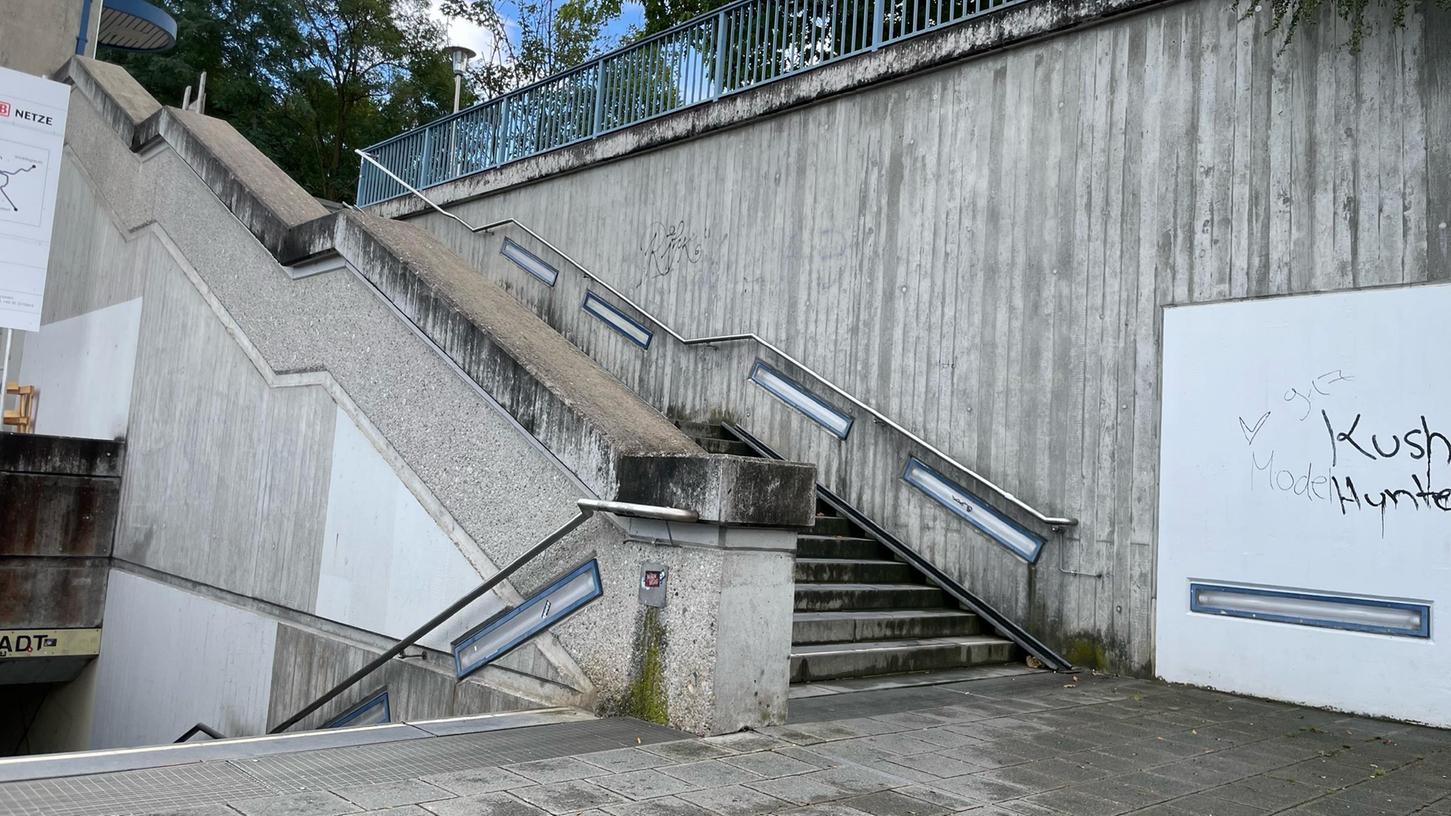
{"x":882,"y":614}
{"x":859,"y":647}
{"x":837,"y":587}
{"x":819,"y":559}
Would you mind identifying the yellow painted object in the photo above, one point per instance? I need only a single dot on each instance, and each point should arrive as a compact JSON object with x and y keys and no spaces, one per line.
{"x":22,"y":417}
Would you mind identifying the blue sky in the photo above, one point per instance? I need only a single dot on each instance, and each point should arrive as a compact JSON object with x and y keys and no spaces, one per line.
{"x":482,"y":41}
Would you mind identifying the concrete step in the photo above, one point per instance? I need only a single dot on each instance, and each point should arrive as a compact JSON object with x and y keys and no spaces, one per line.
{"x":702,"y":430}
{"x":730,"y":446}
{"x":853,"y":571}
{"x":834,"y":526}
{"x":881,"y":624}
{"x":831,"y":597}
{"x":816,"y":546}
{"x":827,"y":661}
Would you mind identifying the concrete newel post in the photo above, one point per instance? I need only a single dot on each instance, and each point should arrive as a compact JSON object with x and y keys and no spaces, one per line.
{"x":715,"y":657}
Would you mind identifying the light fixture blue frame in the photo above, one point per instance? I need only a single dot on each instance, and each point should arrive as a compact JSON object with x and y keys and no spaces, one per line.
{"x":529,"y":262}
{"x":963,"y":503}
{"x":1423,"y":630}
{"x":802,"y":399}
{"x":369,"y":704}
{"x":547,"y":619}
{"x":616,"y":319}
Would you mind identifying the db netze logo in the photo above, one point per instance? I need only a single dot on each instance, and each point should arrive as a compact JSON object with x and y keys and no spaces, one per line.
{"x":4,"y":108}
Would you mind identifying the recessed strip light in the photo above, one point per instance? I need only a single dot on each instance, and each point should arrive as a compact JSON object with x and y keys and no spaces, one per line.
{"x":1403,"y":618}
{"x":529,"y":262}
{"x":373,"y":710}
{"x":797,"y":396}
{"x":632,"y":329}
{"x":502,"y":634}
{"x":1016,"y":538}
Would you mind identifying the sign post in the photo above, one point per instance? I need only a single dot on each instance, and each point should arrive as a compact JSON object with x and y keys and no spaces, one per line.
{"x":32,"y":136}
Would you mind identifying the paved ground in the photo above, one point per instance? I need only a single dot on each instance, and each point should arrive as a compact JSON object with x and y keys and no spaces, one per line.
{"x":1040,"y":744}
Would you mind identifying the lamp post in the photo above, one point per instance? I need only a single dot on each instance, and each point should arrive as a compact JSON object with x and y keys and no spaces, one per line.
{"x":459,"y":56}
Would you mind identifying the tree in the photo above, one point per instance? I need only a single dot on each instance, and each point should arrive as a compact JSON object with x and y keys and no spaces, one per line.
{"x":307,"y":81}
{"x":1289,"y":15}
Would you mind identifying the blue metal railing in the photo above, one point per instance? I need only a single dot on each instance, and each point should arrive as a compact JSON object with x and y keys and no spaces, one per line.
{"x":738,"y":46}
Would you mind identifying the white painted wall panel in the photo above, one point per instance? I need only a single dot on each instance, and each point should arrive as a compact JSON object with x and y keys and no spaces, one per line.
{"x":1273,"y":410}
{"x":83,"y":367}
{"x":386,"y":565}
{"x":170,"y":659}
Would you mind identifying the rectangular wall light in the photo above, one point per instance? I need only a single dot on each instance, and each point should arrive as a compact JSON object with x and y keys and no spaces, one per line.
{"x":1016,"y":538}
{"x":797,"y":396}
{"x":529,"y":262}
{"x":373,"y":710}
{"x":1402,"y":618}
{"x":502,"y":634}
{"x":632,"y":329}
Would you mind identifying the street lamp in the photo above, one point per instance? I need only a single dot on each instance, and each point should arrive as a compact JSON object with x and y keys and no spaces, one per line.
{"x":459,"y":56}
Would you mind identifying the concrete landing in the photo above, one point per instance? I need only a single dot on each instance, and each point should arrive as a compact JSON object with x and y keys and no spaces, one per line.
{"x":1025,"y":744}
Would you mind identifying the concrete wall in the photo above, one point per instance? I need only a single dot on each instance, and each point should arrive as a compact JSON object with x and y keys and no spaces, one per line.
{"x":45,"y":36}
{"x":306,"y":456}
{"x":982,"y":253}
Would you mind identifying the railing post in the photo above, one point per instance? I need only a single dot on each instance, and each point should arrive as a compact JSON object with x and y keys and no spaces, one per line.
{"x":599,"y":118}
{"x":501,"y":133}
{"x":720,"y":55}
{"x":424,"y":158}
{"x":879,"y":19}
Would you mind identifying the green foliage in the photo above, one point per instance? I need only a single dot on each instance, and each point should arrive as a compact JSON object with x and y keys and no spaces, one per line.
{"x":307,"y":81}
{"x":1287,"y":16}
{"x":552,"y":36}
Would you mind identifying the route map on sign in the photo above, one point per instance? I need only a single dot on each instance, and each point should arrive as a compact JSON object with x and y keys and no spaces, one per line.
{"x":22,"y":182}
{"x":32,"y":135}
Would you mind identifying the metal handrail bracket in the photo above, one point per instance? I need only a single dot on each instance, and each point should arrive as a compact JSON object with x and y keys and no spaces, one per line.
{"x":1053,"y":522}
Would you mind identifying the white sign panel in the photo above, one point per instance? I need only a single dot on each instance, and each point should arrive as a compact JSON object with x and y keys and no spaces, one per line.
{"x":1305,"y":500}
{"x":32,"y":134}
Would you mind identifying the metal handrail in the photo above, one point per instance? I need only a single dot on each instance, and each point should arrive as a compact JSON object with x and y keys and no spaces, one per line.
{"x":1050,"y":521}
{"x":732,"y":48}
{"x":200,"y":728}
{"x":587,"y":508}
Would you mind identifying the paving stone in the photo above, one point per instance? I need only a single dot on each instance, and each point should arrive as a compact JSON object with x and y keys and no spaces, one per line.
{"x":893,"y":803}
{"x":952,"y":802}
{"x":711,"y":773}
{"x":392,"y":794}
{"x":735,"y":800}
{"x":488,"y":804}
{"x":646,"y":784}
{"x":982,"y":788}
{"x":945,"y":738}
{"x":625,"y":759}
{"x":688,"y":750}
{"x":667,"y":806}
{"x":568,"y":796}
{"x":770,"y":764}
{"x":475,"y":781}
{"x":1325,"y":773}
{"x":563,"y":769}
{"x":827,"y":809}
{"x":1116,"y":791}
{"x":405,"y":810}
{"x":302,"y":803}
{"x":808,"y":756}
{"x":1206,"y":804}
{"x":197,"y":810}
{"x":745,"y":742}
{"x":1078,"y":803}
{"x":1267,"y":792}
{"x":821,"y":786}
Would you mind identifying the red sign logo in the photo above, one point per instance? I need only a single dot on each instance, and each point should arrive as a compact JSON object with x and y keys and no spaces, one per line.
{"x":4,"y":108}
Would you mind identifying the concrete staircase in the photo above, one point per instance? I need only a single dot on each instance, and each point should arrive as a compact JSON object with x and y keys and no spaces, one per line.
{"x":860,"y":610}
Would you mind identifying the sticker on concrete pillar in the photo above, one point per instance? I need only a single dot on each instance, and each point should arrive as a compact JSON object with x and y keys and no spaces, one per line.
{"x":505,"y":632}
{"x":652,"y":584}
{"x":49,"y":642}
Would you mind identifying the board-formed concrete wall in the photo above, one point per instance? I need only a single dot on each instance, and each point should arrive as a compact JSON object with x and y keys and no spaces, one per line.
{"x":982,"y":252}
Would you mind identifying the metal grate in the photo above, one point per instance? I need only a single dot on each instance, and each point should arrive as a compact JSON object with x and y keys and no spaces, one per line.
{"x":206,"y":783}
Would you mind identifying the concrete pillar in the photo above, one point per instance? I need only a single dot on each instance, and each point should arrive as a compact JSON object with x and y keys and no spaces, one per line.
{"x":715,"y":657}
